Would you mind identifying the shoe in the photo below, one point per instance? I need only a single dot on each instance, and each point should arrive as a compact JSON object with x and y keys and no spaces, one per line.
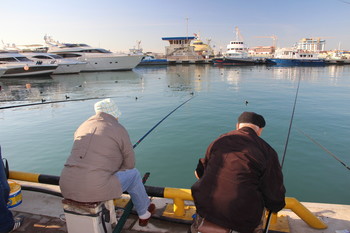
{"x":18,"y":222}
{"x":152,"y":210}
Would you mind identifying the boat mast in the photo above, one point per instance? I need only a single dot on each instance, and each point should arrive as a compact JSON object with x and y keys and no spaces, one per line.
{"x":239,"y":37}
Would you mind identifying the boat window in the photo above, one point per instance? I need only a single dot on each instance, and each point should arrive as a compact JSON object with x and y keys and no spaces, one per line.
{"x":68,"y":45}
{"x":23,"y":59}
{"x":41,"y":57}
{"x":65,"y":55}
{"x":8,"y":59}
{"x":56,"y":56}
{"x":94,"y":51}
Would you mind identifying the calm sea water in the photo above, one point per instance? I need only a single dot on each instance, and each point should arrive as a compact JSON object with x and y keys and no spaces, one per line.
{"x":39,"y":138}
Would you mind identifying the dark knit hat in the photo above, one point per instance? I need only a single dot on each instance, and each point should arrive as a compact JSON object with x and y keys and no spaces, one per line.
{"x":253,"y":118}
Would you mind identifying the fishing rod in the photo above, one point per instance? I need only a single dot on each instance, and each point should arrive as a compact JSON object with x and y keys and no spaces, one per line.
{"x":325,"y":149}
{"x":52,"y":102}
{"x":143,"y":137}
{"x":285,"y":148}
{"x":130,"y":204}
{"x":49,"y":179}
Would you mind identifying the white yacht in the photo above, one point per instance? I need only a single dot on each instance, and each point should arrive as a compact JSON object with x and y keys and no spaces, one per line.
{"x":65,"y":65}
{"x":97,"y":59}
{"x":18,"y":65}
{"x":236,"y":53}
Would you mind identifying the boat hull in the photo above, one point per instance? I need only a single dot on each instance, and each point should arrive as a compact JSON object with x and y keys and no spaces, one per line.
{"x":13,"y":71}
{"x":153,"y":62}
{"x":105,"y":62}
{"x":72,"y":68}
{"x":233,"y":62}
{"x":296,"y":62}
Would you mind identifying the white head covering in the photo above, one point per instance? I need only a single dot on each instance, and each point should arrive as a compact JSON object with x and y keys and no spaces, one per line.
{"x":107,"y":106}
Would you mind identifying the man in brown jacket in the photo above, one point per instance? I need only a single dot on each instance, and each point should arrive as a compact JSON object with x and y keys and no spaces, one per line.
{"x":101,"y":165}
{"x":239,"y":177}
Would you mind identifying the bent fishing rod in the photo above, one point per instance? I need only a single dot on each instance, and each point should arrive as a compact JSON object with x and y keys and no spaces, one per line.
{"x":52,"y":102}
{"x":143,"y":137}
{"x":285,"y":148}
{"x":323,"y":148}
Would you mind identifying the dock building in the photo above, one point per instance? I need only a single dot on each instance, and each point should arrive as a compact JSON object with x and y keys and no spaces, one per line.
{"x":181,"y":50}
{"x":262,"y":51}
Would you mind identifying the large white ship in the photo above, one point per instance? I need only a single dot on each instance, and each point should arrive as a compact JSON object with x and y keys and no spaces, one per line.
{"x":236,"y":53}
{"x":97,"y":59}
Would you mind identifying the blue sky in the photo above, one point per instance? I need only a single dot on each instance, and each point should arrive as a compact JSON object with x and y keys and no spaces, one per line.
{"x":117,"y":24}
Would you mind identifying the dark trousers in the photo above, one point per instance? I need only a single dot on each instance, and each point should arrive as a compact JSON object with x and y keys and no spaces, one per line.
{"x":6,"y":217}
{"x":198,"y":221}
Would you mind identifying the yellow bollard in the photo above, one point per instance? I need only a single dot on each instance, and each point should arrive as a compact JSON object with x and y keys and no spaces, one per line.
{"x":300,"y":210}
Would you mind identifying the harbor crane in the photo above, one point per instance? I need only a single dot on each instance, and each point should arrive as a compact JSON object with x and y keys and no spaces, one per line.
{"x":273,"y":37}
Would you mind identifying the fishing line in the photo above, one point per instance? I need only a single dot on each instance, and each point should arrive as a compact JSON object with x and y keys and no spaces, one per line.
{"x":325,"y":149}
{"x":52,"y":102}
{"x":285,"y":148}
{"x":129,"y":205}
{"x":143,"y":137}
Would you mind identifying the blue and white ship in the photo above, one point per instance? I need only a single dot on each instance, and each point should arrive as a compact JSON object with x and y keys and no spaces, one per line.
{"x":294,"y":57}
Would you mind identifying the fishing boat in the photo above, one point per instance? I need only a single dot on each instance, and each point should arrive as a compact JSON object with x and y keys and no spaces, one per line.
{"x":97,"y":59}
{"x":46,"y":209}
{"x":236,"y":53}
{"x":295,"y":57}
{"x":18,"y":65}
{"x":65,"y":65}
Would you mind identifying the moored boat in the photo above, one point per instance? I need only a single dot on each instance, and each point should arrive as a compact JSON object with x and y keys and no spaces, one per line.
{"x":65,"y":65}
{"x":17,"y":65}
{"x":97,"y":59}
{"x":201,"y":48}
{"x":236,"y":53}
{"x":294,"y":57}
{"x":152,"y":60}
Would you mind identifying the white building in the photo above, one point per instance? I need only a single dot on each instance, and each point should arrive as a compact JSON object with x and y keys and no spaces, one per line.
{"x":311,"y":44}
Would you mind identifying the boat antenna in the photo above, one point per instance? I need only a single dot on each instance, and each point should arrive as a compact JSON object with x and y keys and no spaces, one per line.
{"x":325,"y":149}
{"x":285,"y":148}
{"x":187,"y":27}
{"x":239,"y":37}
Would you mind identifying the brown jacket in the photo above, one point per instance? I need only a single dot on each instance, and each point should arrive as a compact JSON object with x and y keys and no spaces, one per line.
{"x":101,"y":147}
{"x":242,"y":175}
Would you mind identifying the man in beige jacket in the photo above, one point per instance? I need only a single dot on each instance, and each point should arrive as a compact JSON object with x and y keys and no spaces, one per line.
{"x":101,"y":165}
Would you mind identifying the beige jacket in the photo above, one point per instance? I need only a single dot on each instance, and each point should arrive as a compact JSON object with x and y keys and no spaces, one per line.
{"x":101,"y":147}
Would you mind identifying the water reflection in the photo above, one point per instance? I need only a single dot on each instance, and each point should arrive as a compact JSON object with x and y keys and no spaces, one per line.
{"x":310,"y":74}
{"x":59,"y":87}
{"x":177,"y":78}
{"x":22,"y":89}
